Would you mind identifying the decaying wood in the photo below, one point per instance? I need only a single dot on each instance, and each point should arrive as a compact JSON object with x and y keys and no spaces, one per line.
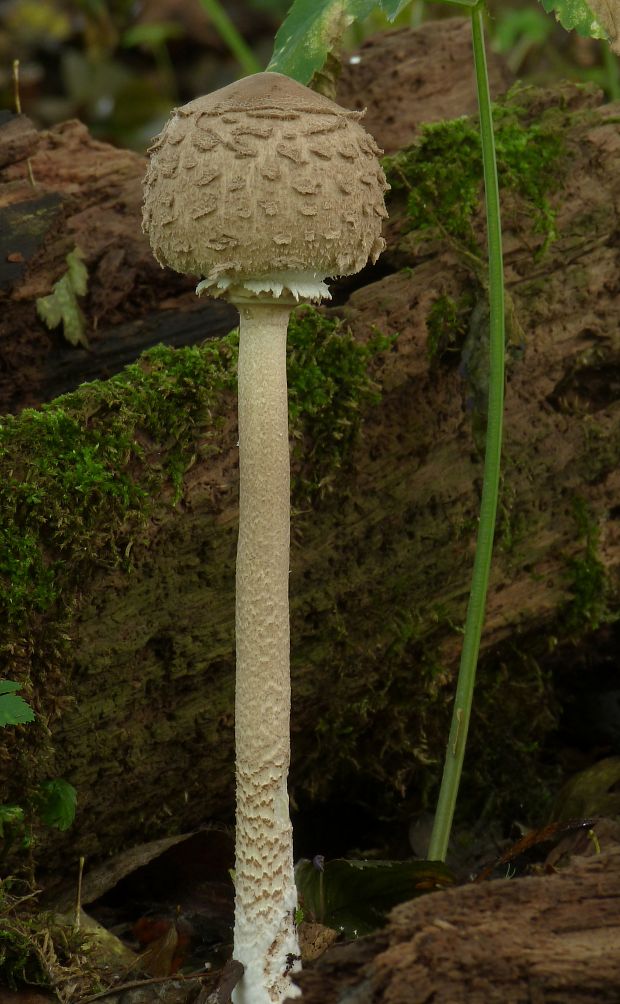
{"x":549,"y":939}
{"x":381,"y":561}
{"x":405,"y":77}
{"x":87,"y":195}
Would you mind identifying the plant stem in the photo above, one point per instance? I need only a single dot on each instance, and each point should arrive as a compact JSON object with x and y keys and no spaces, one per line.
{"x":612,"y":72}
{"x":490,"y":489}
{"x":229,"y":34}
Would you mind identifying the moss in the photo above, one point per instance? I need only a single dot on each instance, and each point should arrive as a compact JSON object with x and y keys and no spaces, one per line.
{"x":516,"y":517}
{"x":441,"y":173}
{"x":447,"y":324}
{"x":79,"y":471}
{"x":79,"y":477}
{"x":83,"y":470}
{"x":386,"y":694}
{"x":603,"y":452}
{"x":588,"y":580}
{"x":36,"y":949}
{"x":82,"y":475}
{"x":329,"y":387}
{"x":515,"y":709}
{"x":399,"y":707}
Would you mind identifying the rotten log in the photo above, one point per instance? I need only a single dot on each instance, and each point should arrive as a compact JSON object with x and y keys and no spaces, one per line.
{"x":87,"y":195}
{"x":130,"y":664}
{"x":549,"y":938}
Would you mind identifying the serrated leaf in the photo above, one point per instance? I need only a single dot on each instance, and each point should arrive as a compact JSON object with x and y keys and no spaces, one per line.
{"x":313,"y":28}
{"x":355,"y":896}
{"x":575,"y":15}
{"x":13,"y":709}
{"x":310,"y":31}
{"x":61,"y":305}
{"x":607,"y":13}
{"x":55,"y":802}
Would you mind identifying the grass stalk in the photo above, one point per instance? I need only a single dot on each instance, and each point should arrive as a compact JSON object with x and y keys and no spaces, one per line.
{"x":231,"y":37}
{"x":455,"y":753}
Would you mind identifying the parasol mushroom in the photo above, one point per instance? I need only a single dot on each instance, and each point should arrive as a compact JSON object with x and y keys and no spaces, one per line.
{"x":264,"y":188}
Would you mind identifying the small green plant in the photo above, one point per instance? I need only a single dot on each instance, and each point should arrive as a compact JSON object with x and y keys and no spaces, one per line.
{"x":61,"y":305}
{"x":53,"y":802}
{"x":14,"y":710}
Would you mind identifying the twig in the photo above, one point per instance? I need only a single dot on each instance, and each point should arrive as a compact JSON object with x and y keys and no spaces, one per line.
{"x":18,"y":109}
{"x":78,"y":900}
{"x":121,"y":987}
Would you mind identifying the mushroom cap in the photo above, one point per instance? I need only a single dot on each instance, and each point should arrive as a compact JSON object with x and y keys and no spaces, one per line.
{"x":264,"y":184}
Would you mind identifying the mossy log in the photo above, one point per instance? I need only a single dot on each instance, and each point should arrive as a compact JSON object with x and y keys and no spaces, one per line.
{"x":61,"y":189}
{"x":120,"y":500}
{"x":550,"y":938}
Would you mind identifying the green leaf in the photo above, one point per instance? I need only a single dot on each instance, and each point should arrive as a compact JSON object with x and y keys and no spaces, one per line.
{"x":576,"y":15}
{"x":607,"y":13}
{"x":61,"y":306}
{"x":313,"y":28}
{"x":13,"y":709}
{"x":310,"y":31}
{"x":55,"y":802}
{"x":355,"y":896}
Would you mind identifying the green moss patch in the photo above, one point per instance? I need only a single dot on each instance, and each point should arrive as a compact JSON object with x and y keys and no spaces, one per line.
{"x":447,"y":325}
{"x":588,"y":579}
{"x":37,"y":950}
{"x":441,"y":174}
{"x":329,"y":387}
{"x":82,"y":476}
{"x":79,"y":472}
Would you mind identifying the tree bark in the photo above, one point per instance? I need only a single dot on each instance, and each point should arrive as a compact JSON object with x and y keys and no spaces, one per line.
{"x":140,"y":705}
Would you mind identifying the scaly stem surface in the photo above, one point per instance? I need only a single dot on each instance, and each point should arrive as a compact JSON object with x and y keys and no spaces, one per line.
{"x":490,"y":489}
{"x":265,"y":894}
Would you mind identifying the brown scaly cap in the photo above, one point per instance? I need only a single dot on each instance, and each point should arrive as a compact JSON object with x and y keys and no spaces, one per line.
{"x":264,"y":176}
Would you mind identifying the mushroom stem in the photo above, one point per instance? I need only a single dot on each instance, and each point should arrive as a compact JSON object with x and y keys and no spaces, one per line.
{"x":265,"y":935}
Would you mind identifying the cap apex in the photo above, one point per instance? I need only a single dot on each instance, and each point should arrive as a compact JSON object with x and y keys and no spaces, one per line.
{"x":265,"y":90}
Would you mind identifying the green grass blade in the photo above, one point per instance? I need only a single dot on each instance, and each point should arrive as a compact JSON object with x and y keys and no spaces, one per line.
{"x":490,"y":490}
{"x":231,"y":37}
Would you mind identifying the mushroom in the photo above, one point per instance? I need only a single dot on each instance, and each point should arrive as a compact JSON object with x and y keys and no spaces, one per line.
{"x":264,"y":189}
